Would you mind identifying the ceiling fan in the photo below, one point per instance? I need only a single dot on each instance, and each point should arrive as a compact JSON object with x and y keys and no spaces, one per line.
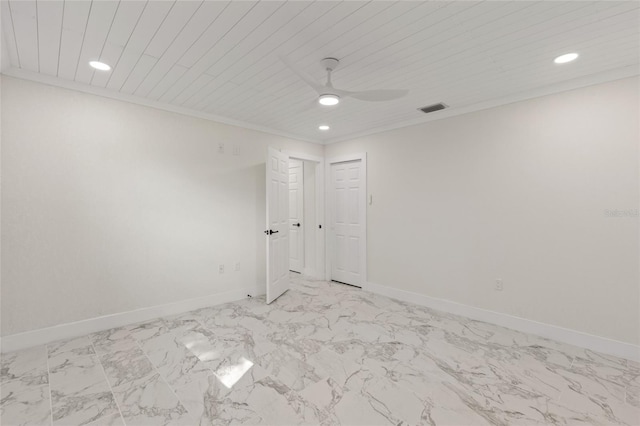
{"x":329,"y":95}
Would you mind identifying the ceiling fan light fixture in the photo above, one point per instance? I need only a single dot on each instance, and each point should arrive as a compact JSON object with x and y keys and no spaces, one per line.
{"x":329,"y":100}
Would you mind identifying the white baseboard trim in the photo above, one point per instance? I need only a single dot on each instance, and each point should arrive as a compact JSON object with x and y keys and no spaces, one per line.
{"x":43,"y":336}
{"x":553,"y":332}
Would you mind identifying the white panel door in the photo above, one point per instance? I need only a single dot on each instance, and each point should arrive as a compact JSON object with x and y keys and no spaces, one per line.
{"x":296,"y":213}
{"x":347,"y":227}
{"x":277,"y":224}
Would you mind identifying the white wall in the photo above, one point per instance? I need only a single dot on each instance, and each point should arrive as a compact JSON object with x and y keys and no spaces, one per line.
{"x":519,"y":192}
{"x":109,"y":206}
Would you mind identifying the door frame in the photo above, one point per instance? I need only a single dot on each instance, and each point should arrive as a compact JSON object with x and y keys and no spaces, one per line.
{"x":320,"y":265}
{"x":362,"y":157}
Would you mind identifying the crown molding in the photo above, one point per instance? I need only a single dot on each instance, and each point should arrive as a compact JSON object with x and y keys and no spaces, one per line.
{"x":106,"y":93}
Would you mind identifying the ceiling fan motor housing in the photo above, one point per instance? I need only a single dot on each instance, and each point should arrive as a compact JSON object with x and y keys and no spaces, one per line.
{"x":330,"y":63}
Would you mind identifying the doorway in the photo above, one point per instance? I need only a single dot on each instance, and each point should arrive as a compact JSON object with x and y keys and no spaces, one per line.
{"x":295,"y":215}
{"x":305,"y":227}
{"x":297,"y":222}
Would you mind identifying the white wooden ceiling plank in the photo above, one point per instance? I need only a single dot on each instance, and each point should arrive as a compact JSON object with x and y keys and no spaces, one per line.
{"x":460,"y":61}
{"x":374,"y":18}
{"x":277,"y":85}
{"x":429,"y":41}
{"x":74,"y":23}
{"x":138,"y":74}
{"x":8,"y":33}
{"x":168,"y":80}
{"x":49,"y":32}
{"x":361,"y":12}
{"x":252,"y":78}
{"x":124,"y":23}
{"x":100,"y":21}
{"x":381,"y":25}
{"x":539,"y":49}
{"x":350,"y":27}
{"x":24,"y":15}
{"x":569,"y":39}
{"x":159,"y":79}
{"x":268,"y":51}
{"x":199,"y":81}
{"x":152,"y":18}
{"x":228,"y":18}
{"x":556,"y":25}
{"x":255,"y":40}
{"x":398,"y":32}
{"x":324,"y":21}
{"x":179,"y":16}
{"x":250,"y":22}
{"x":446,"y":42}
{"x":175,"y":21}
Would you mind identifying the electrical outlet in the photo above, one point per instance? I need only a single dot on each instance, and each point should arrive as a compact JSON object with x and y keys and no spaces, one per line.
{"x":221,"y":148}
{"x":499,"y":285}
{"x":221,"y":269}
{"x":236,"y":150}
{"x":237,"y":266}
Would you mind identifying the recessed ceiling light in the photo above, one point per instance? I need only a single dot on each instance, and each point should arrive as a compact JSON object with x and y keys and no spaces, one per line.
{"x":324,"y":127}
{"x":100,"y":65}
{"x":568,"y":57}
{"x":328,"y":100}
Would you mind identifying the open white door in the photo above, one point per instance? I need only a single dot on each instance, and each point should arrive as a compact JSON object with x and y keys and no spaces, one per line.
{"x":277,"y":224}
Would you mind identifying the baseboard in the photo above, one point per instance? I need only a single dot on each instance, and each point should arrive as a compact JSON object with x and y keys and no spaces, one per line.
{"x":561,"y":334}
{"x":43,"y":336}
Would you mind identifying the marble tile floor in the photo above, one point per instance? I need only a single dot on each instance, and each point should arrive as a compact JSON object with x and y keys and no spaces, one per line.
{"x":323,"y":353}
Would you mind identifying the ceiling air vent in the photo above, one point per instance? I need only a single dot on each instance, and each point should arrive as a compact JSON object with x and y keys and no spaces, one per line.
{"x":433,"y":108}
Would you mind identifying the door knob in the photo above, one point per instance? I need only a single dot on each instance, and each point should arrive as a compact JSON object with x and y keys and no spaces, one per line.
{"x":269,"y":232}
{"x":296,"y":224}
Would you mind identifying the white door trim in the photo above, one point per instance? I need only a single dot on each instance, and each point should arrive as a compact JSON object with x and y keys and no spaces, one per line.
{"x":362,"y":157}
{"x":320,"y":212}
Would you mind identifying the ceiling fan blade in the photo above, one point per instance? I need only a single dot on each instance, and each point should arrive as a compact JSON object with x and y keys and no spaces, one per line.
{"x":378,"y":95}
{"x":303,"y":75}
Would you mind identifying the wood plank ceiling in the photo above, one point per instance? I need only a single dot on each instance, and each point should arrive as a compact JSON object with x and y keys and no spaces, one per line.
{"x":221,"y":58}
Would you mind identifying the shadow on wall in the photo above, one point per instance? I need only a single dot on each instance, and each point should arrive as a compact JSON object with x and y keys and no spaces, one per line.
{"x":261,"y":218}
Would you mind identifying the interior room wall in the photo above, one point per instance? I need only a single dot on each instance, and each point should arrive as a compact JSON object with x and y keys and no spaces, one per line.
{"x":109,"y":206}
{"x":542,"y":194}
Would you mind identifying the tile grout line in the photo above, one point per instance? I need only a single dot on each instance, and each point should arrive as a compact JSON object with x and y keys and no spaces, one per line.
{"x":46,"y":349}
{"x":107,"y":379}
{"x":175,"y":336}
{"x":163,"y":378}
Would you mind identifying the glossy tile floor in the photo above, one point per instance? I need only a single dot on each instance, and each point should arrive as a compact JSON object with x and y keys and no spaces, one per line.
{"x":323,"y":353}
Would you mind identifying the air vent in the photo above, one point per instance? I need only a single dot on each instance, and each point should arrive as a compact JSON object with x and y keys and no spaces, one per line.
{"x":433,"y":108}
